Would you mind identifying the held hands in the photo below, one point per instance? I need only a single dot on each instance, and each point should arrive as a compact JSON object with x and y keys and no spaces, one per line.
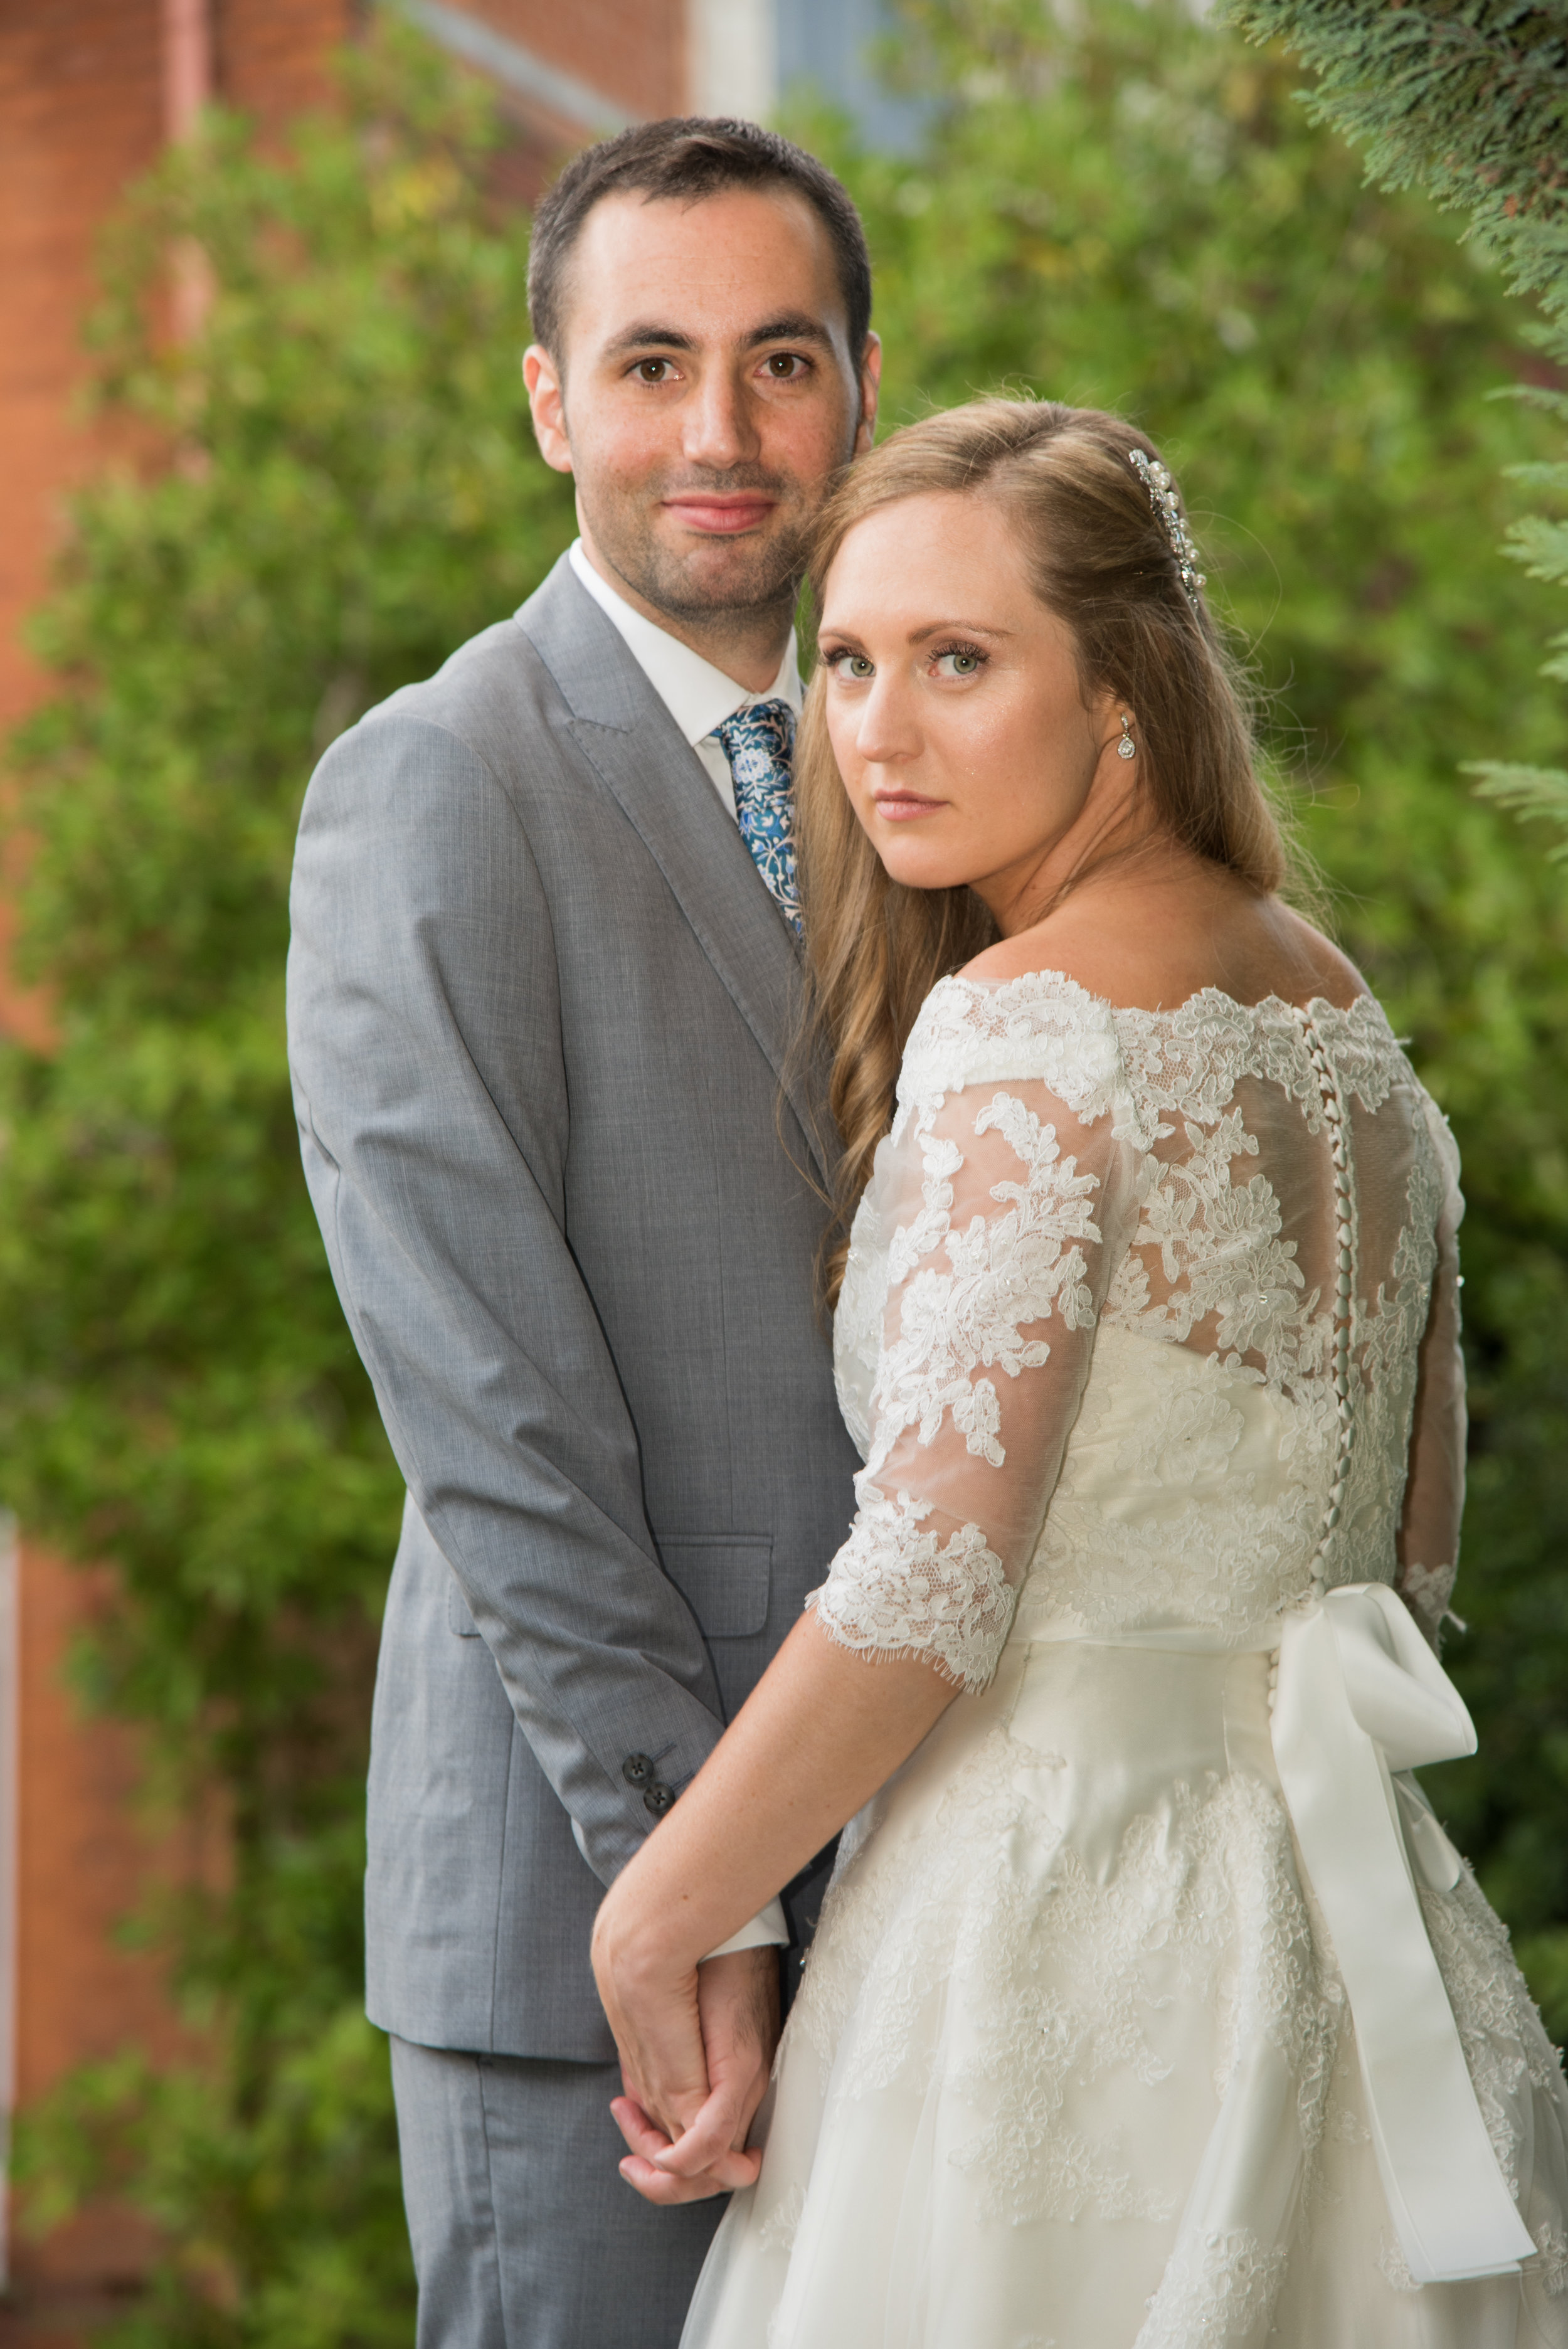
{"x":697,"y":2048}
{"x":821,"y":1731}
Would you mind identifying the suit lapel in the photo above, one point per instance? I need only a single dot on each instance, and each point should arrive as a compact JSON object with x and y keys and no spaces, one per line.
{"x":632,"y":742}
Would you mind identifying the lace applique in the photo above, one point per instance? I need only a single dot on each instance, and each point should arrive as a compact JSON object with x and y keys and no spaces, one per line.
{"x":1221,"y":1255}
{"x":895,"y":1590}
{"x":901,"y":1586}
{"x":949,"y":1963}
{"x":1189,"y":1442}
{"x":1009,"y":1273}
{"x":783,"y":2224}
{"x":1394,"y":2267}
{"x":1366,"y":1054}
{"x":1505,"y":2048}
{"x":1041,"y":1027}
{"x":1215,"y":2291}
{"x":1426,"y":1592}
{"x":1552,"y":2243}
{"x":1217,"y":1485}
{"x":1385,"y":1336}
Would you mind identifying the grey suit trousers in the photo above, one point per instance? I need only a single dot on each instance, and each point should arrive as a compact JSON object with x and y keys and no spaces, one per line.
{"x":525,"y":2235}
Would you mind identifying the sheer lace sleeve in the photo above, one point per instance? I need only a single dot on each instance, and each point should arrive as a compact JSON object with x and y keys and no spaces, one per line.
{"x":1435,"y":1486}
{"x":1004,"y":1205}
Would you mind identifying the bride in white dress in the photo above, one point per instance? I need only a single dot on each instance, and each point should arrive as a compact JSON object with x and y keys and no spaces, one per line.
{"x":1151,"y":2005}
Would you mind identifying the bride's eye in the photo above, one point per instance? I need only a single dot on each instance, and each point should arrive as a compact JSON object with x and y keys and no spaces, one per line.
{"x":858,"y":666}
{"x":959,"y":660}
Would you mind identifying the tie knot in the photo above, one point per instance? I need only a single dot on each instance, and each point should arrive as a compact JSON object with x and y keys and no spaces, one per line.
{"x":766,"y":730}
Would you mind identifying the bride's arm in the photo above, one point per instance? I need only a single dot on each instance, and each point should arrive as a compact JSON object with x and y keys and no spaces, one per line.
{"x":820,"y":1732}
{"x":999,"y":1200}
{"x":1429,"y":1538}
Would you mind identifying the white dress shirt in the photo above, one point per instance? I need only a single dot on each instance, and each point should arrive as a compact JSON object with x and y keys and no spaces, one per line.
{"x":698,"y":696}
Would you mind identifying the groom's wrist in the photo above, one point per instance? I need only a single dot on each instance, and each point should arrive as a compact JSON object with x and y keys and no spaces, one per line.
{"x":767,"y":1929}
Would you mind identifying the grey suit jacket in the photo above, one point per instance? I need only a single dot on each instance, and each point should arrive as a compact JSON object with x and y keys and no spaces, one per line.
{"x":540,"y":1002}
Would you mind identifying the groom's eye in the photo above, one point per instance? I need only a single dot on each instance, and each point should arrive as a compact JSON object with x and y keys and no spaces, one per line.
{"x":654,"y":370}
{"x":785,"y":367}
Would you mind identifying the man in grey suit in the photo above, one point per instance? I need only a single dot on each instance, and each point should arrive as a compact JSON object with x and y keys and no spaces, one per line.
{"x":543,"y":989}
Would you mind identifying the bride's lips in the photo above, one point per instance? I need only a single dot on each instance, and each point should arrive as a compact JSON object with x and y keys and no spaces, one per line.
{"x":902,"y":807}
{"x":722,"y":517}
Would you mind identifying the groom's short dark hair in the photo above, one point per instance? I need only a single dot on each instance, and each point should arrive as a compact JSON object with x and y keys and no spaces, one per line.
{"x":685,"y":159}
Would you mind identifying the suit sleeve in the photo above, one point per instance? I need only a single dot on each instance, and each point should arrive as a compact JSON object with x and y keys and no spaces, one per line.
{"x":430,"y":1089}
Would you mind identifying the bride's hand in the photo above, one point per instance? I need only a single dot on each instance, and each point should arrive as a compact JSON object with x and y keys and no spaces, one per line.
{"x":696,"y":2046}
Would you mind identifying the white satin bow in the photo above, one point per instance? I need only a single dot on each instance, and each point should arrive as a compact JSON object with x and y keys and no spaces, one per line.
{"x":1360,"y":1698}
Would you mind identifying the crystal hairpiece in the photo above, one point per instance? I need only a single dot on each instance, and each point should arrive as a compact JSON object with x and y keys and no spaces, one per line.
{"x":1168,"y":514}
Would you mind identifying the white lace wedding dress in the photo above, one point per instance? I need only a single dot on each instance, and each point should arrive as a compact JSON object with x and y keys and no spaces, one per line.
{"x":1148,"y":2007}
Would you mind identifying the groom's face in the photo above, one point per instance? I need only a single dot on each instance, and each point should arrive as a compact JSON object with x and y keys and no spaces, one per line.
{"x":706,"y":394}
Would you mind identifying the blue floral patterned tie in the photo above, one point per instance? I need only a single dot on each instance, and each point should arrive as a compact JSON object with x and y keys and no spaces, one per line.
{"x":758,"y":743}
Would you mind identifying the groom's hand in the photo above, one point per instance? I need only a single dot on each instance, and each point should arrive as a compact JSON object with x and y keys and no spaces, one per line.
{"x":737,"y":2006}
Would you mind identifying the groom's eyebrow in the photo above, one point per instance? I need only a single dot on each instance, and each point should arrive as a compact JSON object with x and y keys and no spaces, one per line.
{"x":646,"y":331}
{"x":789,"y":326}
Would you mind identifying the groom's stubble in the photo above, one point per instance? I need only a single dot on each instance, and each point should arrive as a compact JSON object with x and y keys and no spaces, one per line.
{"x":761,"y":573}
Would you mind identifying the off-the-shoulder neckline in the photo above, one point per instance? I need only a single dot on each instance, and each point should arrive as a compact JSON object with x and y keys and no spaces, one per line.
{"x":1059,"y":981}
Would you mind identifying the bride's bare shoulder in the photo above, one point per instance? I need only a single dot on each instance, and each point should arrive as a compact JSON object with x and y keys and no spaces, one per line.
{"x":1153,"y":956}
{"x":1312,"y":964}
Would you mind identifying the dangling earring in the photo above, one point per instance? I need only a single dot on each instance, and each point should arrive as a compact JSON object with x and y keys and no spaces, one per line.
{"x":1127,"y":748}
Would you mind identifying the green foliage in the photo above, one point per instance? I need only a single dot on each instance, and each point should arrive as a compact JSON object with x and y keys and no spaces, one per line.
{"x":1464,"y":98}
{"x":1468,"y":99}
{"x":354,"y":491}
{"x":1133,"y":213}
{"x":286,"y":2227}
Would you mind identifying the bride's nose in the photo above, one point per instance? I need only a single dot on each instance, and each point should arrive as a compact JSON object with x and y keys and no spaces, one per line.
{"x":888,"y":732}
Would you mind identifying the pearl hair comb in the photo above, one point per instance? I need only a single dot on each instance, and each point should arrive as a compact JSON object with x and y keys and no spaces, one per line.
{"x":1168,"y":514}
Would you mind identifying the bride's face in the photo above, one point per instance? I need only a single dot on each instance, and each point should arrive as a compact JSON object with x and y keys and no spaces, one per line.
{"x":954,"y":705}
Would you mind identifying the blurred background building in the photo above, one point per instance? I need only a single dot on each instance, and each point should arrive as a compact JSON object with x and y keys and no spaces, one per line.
{"x":90,"y":92}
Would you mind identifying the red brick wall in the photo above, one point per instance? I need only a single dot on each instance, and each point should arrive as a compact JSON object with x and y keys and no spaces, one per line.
{"x":81,"y":100}
{"x":633,"y":51}
{"x":81,"y":114}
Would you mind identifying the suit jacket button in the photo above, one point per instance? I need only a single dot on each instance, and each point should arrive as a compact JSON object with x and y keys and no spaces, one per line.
{"x":636,"y":1769}
{"x":658,"y":1799}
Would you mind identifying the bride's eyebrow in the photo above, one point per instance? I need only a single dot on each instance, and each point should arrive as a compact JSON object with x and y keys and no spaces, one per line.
{"x":956,"y":628}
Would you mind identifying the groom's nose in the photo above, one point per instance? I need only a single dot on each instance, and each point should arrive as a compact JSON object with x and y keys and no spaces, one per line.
{"x":719,"y":421}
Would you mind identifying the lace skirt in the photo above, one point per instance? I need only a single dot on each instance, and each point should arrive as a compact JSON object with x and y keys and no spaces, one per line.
{"x":1072,"y":2068}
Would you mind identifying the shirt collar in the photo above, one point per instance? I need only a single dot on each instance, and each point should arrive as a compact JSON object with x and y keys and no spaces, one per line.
{"x":697,"y":696}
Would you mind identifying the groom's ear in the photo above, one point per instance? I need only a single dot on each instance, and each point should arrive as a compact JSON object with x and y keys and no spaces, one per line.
{"x":871,"y":387}
{"x":547,"y":406}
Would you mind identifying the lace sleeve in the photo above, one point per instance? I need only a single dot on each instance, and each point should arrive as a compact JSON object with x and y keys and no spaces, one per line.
{"x":1435,"y":1482}
{"x":1004,"y":1209}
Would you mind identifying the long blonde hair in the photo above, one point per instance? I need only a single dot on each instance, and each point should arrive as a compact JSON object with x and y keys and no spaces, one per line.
{"x":1099,"y":559}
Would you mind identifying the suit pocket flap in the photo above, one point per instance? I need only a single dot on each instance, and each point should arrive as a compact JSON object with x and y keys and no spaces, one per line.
{"x":723,"y":1579}
{"x":459,"y":1619}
